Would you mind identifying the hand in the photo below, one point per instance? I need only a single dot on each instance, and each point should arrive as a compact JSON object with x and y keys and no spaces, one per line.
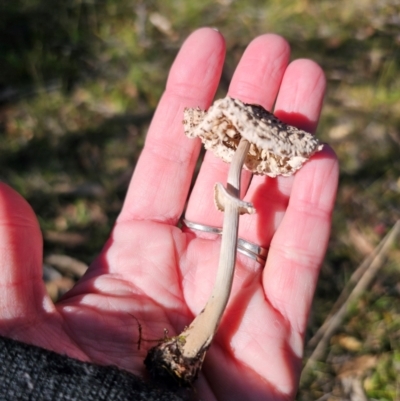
{"x":152,"y":276}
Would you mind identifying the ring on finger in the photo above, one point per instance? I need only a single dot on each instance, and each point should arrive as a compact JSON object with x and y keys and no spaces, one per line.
{"x":253,"y":251}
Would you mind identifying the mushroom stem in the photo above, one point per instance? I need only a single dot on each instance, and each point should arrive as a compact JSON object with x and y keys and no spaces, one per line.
{"x":201,"y":331}
{"x":182,"y":356}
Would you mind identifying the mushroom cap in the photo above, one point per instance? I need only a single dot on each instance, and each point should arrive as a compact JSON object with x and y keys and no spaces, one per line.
{"x":276,"y":148}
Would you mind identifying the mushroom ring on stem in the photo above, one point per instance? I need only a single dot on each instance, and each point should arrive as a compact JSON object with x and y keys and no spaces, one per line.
{"x":243,"y":135}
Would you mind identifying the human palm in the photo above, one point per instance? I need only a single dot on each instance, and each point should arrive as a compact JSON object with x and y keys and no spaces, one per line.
{"x":153,"y":275}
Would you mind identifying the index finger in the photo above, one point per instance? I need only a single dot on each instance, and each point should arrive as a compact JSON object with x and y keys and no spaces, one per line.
{"x":161,"y":181}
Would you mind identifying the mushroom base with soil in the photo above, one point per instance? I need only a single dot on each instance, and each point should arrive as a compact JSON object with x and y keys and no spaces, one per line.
{"x":167,"y":364}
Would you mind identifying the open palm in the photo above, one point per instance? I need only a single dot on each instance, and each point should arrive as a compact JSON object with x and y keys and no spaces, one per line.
{"x":152,"y":275}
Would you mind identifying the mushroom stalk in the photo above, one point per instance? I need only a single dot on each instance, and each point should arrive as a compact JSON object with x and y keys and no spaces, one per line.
{"x":199,"y":334}
{"x":181,"y":357}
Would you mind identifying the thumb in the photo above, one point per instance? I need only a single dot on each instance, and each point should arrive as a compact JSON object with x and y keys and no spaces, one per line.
{"x":21,"y":286}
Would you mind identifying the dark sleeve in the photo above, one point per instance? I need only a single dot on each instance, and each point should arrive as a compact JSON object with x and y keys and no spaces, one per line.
{"x":32,"y":373}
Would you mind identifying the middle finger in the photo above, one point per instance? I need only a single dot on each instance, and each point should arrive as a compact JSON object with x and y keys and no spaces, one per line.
{"x":256,"y":80}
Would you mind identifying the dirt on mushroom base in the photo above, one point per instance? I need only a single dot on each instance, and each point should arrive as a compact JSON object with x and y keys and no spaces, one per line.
{"x":168,"y":365}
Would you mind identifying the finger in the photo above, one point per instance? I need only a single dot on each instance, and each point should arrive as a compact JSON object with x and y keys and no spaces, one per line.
{"x":299,"y":245}
{"x":23,"y":293}
{"x":161,"y":181}
{"x":256,"y":80}
{"x":298,"y":103}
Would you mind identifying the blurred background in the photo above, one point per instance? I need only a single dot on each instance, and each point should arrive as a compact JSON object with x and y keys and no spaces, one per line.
{"x":80,"y":80}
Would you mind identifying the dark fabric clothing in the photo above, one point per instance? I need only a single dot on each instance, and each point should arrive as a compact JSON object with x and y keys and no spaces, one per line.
{"x":35,"y":374}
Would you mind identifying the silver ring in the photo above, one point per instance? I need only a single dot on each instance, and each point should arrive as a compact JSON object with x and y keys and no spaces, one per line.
{"x":253,"y":251}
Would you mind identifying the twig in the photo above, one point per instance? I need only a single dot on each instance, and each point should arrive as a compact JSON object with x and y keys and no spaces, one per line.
{"x":324,"y":397}
{"x":67,"y":265}
{"x":370,"y":270}
{"x":354,"y":279}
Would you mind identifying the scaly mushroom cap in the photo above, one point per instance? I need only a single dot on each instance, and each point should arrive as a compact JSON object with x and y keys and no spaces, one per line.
{"x":276,"y":148}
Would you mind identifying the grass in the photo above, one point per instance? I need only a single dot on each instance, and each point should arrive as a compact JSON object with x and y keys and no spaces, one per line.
{"x":80,"y":82}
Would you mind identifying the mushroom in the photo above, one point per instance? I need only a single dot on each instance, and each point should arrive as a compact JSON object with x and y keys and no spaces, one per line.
{"x":243,"y":135}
